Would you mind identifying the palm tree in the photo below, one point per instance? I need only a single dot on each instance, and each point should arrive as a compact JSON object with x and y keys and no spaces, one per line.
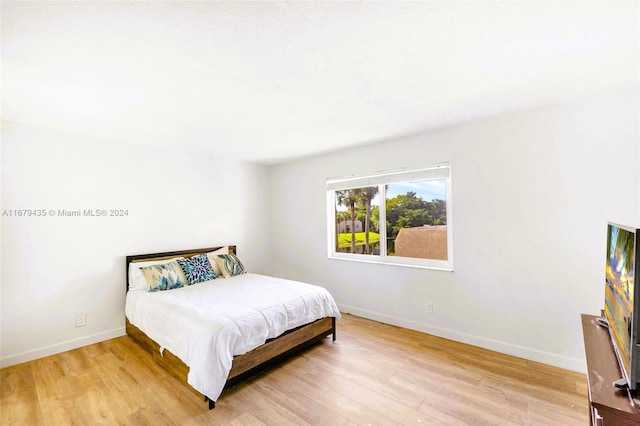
{"x":367,"y":195}
{"x":349,"y":198}
{"x":343,"y":198}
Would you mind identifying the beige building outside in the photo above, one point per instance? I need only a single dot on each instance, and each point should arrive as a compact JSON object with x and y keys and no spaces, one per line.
{"x":424,"y":242}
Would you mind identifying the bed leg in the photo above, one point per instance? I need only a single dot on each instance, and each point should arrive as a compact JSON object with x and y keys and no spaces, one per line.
{"x":212,"y":404}
{"x":333,"y":325}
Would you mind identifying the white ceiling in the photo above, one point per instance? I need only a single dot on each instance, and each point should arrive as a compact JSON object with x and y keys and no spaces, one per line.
{"x":272,"y":81}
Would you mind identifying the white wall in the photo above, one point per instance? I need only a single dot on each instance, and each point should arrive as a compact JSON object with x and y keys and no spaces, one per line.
{"x":532,"y":192}
{"x":56,"y":267}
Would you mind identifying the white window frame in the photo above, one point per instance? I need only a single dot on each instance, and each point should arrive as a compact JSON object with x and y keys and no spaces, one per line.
{"x":433,"y":172}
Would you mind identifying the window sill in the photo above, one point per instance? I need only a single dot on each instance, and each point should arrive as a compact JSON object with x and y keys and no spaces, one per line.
{"x":390,"y":263}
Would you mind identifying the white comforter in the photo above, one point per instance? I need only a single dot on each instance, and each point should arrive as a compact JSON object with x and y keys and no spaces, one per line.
{"x":207,"y":324}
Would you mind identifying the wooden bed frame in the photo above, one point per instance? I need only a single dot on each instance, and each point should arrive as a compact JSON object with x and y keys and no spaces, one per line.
{"x":270,"y":352}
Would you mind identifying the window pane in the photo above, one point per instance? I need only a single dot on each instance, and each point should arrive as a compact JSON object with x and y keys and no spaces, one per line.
{"x":357,"y":221}
{"x":417,"y":219}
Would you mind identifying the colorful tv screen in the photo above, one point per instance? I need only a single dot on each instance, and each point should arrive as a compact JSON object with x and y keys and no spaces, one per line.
{"x":619,"y":291}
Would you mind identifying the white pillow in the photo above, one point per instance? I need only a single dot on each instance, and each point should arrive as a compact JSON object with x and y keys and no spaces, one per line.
{"x":212,"y":259}
{"x":137,"y":281}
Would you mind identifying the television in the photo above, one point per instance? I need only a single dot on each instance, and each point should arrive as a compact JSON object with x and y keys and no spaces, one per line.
{"x":622,"y":301}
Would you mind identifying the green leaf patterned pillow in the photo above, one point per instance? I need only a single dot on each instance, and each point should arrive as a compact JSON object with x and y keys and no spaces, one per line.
{"x":230,"y":265}
{"x":165,"y":276}
{"x":197,"y":269}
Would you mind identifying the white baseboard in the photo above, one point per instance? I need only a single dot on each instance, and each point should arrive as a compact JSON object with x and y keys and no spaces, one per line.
{"x":57,"y":348}
{"x":561,"y":361}
{"x":556,"y":360}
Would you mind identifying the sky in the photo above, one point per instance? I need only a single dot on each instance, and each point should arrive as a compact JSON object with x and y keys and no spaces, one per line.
{"x":427,"y":190}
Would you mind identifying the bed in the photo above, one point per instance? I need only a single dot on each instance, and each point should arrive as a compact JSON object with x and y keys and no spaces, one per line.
{"x":215,"y":332}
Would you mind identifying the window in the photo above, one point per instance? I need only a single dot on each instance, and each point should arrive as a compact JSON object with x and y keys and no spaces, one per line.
{"x":397,"y":217}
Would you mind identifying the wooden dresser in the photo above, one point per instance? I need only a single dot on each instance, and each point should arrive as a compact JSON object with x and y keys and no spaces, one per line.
{"x":608,"y":405}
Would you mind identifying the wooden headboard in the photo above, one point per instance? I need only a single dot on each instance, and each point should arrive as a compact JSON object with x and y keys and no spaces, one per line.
{"x":169,"y":255}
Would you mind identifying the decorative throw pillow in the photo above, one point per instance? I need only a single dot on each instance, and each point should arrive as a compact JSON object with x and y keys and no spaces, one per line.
{"x":164,"y":276}
{"x":197,"y":269}
{"x":230,"y":265}
{"x":137,"y":281}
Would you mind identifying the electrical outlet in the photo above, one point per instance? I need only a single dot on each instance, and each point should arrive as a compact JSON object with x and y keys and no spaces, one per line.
{"x":429,"y":307}
{"x":81,"y":320}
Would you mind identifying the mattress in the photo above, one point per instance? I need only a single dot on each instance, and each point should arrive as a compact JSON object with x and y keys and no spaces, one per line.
{"x":209,"y":323}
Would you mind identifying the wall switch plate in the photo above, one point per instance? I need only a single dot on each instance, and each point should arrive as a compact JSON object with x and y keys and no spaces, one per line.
{"x":81,"y":320}
{"x":429,"y":307}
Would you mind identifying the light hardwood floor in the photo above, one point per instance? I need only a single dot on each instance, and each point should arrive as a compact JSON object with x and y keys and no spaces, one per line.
{"x":373,"y":374}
